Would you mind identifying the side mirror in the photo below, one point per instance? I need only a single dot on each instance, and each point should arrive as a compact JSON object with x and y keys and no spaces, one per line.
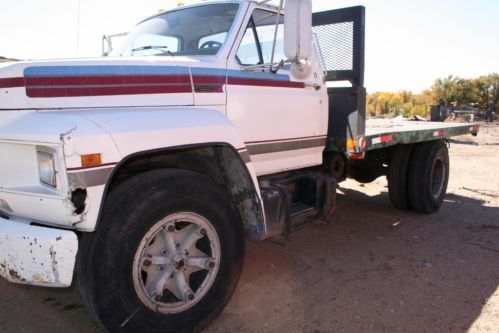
{"x":298,"y":29}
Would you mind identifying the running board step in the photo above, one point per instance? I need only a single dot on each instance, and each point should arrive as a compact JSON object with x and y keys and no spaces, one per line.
{"x":297,"y":199}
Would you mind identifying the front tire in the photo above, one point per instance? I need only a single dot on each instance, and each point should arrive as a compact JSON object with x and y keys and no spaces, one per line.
{"x":166,"y":256}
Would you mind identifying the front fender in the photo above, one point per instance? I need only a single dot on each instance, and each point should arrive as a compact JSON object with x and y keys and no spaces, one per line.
{"x":152,"y":128}
{"x":141,"y":131}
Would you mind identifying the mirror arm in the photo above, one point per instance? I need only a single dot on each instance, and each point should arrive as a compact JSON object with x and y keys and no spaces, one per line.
{"x":281,"y":5}
{"x":279,"y":66}
{"x":269,"y":66}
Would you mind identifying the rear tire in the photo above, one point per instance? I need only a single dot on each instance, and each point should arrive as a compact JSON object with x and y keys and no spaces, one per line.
{"x":429,"y":176}
{"x":165,"y":257}
{"x":398,"y":176}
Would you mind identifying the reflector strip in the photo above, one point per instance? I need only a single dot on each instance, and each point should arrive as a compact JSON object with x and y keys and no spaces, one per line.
{"x":382,"y":139}
{"x":439,"y":133}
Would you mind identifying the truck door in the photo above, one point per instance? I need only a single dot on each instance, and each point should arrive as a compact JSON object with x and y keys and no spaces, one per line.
{"x":283,"y":119}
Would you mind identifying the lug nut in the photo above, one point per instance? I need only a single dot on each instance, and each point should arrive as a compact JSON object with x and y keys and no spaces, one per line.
{"x":211,"y":264}
{"x":171,"y":228}
{"x":189,"y":296}
{"x":147,"y":262}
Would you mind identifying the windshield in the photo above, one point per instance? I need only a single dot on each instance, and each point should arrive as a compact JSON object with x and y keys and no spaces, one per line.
{"x":200,"y":30}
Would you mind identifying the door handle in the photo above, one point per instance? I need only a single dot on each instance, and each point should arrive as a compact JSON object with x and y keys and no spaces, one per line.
{"x":316,"y":86}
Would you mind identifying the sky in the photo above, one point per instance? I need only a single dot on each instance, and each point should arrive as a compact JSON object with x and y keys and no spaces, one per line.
{"x":408,"y":43}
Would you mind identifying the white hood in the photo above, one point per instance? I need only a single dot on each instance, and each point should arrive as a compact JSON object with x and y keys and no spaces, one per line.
{"x":108,"y":82}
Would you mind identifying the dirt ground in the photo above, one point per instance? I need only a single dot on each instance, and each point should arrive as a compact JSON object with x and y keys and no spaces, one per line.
{"x":371,"y":269}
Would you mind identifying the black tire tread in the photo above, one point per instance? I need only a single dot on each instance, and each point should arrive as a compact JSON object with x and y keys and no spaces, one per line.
{"x":398,"y":176}
{"x":419,"y":176}
{"x":90,"y":244}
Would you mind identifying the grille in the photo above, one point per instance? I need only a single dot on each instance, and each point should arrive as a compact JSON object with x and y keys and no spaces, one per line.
{"x":337,"y":45}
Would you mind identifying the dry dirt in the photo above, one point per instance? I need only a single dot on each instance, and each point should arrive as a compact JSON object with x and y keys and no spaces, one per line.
{"x":371,"y":269}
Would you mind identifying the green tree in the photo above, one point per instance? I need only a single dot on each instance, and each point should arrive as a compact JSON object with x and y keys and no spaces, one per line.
{"x":443,"y":89}
{"x":486,"y":90}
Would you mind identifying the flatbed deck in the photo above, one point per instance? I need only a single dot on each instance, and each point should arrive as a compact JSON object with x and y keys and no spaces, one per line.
{"x":381,"y":133}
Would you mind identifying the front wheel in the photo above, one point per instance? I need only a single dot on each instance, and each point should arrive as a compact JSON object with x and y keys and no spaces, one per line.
{"x":166,"y":256}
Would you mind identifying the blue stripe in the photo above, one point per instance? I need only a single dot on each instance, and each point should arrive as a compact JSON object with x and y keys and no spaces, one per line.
{"x":55,"y":71}
{"x":261,"y":76}
{"x":42,"y":71}
{"x":208,"y":71}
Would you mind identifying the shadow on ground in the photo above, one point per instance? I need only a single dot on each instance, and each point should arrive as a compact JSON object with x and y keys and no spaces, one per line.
{"x":370,"y":269}
{"x":373,"y":269}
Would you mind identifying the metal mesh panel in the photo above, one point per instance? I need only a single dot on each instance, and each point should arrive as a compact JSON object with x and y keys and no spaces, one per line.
{"x":317,"y":46}
{"x":337,"y":45}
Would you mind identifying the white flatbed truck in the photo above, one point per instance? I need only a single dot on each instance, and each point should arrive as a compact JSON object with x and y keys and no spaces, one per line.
{"x":138,"y":176}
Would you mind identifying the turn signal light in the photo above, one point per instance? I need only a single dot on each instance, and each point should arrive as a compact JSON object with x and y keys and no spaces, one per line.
{"x":91,"y":160}
{"x":351,"y":144}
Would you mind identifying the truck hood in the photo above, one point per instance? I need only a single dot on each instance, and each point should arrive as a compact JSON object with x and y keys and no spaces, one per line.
{"x":103,"y":82}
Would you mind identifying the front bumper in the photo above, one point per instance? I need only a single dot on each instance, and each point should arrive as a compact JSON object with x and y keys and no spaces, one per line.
{"x":36,"y":255}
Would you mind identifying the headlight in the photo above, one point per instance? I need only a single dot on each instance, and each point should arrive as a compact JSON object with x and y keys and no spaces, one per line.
{"x":46,"y":168}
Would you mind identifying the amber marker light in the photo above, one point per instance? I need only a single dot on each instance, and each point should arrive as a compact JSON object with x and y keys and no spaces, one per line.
{"x":91,"y":160}
{"x":351,"y":144}
{"x":362,"y":143}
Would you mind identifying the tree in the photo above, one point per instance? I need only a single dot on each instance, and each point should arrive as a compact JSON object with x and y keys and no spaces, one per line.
{"x":486,"y":90}
{"x":443,"y":89}
{"x":451,"y":90}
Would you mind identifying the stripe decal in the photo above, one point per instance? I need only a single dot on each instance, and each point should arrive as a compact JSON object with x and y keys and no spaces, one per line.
{"x":93,"y":167}
{"x":80,"y":81}
{"x":89,"y":177}
{"x":382,"y":139}
{"x":107,"y":70}
{"x":268,"y":147}
{"x":95,"y":176}
{"x":13,"y":82}
{"x":245,"y":155}
{"x":42,"y":92}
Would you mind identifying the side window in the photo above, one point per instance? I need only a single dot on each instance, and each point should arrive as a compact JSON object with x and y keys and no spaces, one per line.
{"x":248,"y":52}
{"x":256,"y":46}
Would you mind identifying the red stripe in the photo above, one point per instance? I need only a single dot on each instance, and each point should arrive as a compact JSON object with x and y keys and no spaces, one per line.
{"x":12,"y":82}
{"x":103,"y":80}
{"x":265,"y":83}
{"x":180,"y":84}
{"x":106,"y":91}
{"x":208,"y":84}
{"x":208,"y":88}
{"x":209,"y":79}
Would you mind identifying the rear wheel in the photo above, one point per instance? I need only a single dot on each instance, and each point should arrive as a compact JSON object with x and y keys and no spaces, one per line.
{"x":398,"y":176}
{"x":166,"y":256}
{"x":429,"y":176}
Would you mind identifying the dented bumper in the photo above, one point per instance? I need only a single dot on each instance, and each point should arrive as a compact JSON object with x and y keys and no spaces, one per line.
{"x":36,"y":255}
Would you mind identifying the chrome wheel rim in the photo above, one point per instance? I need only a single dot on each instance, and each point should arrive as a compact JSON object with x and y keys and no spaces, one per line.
{"x":176,"y":262}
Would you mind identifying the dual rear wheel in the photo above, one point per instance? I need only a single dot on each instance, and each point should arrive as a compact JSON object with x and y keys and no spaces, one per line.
{"x":418,"y":176}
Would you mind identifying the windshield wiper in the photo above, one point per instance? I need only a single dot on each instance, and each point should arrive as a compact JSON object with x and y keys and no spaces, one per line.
{"x":161,"y":48}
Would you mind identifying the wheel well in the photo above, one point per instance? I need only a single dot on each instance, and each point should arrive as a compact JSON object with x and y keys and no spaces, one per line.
{"x":221,"y":163}
{"x":371,"y":167}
